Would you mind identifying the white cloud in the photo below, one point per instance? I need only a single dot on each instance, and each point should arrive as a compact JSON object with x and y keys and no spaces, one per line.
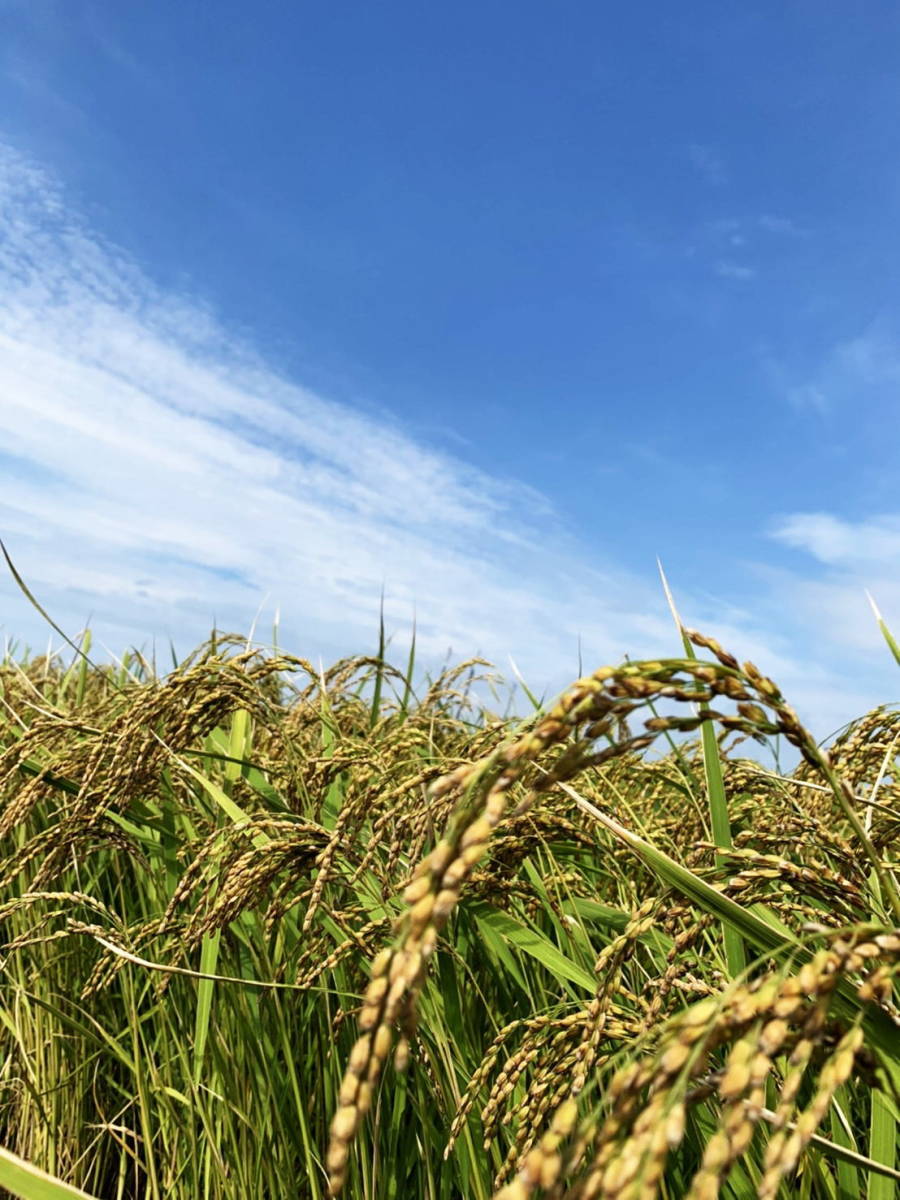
{"x":157,"y":477}
{"x":853,"y":390}
{"x":860,"y":372}
{"x":829,"y":604}
{"x":874,"y":543}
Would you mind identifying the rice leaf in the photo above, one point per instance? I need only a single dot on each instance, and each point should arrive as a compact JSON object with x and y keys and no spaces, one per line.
{"x":23,"y":1179}
{"x":885,"y":631}
{"x":882,"y":1147}
{"x":715,"y":792}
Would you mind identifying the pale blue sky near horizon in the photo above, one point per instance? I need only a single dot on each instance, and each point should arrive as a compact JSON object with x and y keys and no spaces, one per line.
{"x":490,"y":304}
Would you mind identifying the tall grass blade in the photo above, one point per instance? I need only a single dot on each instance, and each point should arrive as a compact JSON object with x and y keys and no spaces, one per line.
{"x":410,"y":670}
{"x":882,"y":1147}
{"x":885,"y":632}
{"x":209,"y":959}
{"x":231,"y":809}
{"x":846,"y":1174}
{"x":379,"y":669}
{"x":35,"y":604}
{"x":238,"y":751}
{"x":715,"y":791}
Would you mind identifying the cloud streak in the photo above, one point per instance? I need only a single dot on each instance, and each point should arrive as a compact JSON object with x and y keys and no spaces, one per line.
{"x":158,"y":476}
{"x":856,"y":544}
{"x":163,"y":477}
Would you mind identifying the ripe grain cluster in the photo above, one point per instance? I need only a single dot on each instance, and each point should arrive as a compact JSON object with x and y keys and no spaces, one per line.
{"x":269,"y":931}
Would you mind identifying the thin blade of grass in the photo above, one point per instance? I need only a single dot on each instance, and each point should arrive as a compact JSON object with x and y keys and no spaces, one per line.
{"x":238,"y":750}
{"x":530,"y":941}
{"x":882,"y":1148}
{"x":715,"y":792}
{"x":410,"y":668}
{"x":209,"y":960}
{"x":885,"y":632}
{"x":846,"y":1174}
{"x":535,"y":703}
{"x":379,"y":669}
{"x":232,"y":810}
{"x":880,"y":1172}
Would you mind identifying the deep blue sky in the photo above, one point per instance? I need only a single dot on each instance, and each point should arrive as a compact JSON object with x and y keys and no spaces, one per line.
{"x":641,"y":258}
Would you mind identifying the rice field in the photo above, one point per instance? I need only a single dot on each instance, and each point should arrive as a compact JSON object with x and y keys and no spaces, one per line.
{"x":272,"y":931}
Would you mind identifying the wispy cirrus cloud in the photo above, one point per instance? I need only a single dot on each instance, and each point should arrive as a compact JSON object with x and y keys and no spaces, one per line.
{"x":851,"y":558}
{"x":161,"y":477}
{"x":158,"y":476}
{"x":860,"y":371}
{"x":837,"y":542}
{"x":852,"y":392}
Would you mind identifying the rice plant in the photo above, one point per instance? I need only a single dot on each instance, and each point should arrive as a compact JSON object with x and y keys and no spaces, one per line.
{"x":275,"y":931}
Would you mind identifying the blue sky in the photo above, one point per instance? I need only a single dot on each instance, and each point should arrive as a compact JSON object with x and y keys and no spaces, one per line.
{"x":488,"y":303}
